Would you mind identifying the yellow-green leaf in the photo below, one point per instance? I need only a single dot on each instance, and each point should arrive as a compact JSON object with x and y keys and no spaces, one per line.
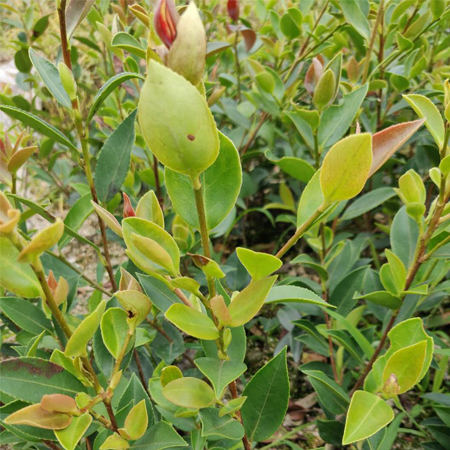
{"x":189,"y":392}
{"x":70,"y":436}
{"x":258,"y":265}
{"x":36,"y":416}
{"x":137,"y":421}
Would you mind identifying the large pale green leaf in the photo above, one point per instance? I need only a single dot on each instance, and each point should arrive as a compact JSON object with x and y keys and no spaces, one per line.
{"x":29,"y":379}
{"x":221,"y":184}
{"x":406,"y":365}
{"x":17,"y":277}
{"x":367,"y":415}
{"x":337,"y":119}
{"x":25,"y":314}
{"x":427,"y":110}
{"x":258,"y":265}
{"x":192,"y":322}
{"x":189,"y":392}
{"x":346,"y":167}
{"x":267,"y":399}
{"x":114,"y":159}
{"x":247,"y":303}
{"x":221,"y":373}
{"x":50,"y":76}
{"x":108,"y":88}
{"x":38,"y":125}
{"x":76,"y":345}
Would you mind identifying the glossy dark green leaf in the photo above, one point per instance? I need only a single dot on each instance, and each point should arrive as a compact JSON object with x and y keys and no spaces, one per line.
{"x":114,"y":159}
{"x":38,"y":125}
{"x":158,"y":437}
{"x":267,"y":399}
{"x":28,"y":379}
{"x":367,"y":202}
{"x":162,"y":297}
{"x":129,"y":43}
{"x":50,"y":76}
{"x":224,"y":427}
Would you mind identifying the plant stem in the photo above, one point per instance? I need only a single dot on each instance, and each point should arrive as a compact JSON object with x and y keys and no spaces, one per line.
{"x":285,"y":436}
{"x":234,"y":394}
{"x":300,"y":232}
{"x":372,"y":42}
{"x":238,"y":65}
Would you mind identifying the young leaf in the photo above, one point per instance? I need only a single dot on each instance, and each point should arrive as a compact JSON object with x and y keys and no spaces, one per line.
{"x":294,"y":294}
{"x":17,"y":277}
{"x":114,"y":328}
{"x":247,"y":303}
{"x":70,"y":436}
{"x":115,"y":442}
{"x":267,"y":399}
{"x":427,"y":110}
{"x":59,"y":403}
{"x":50,"y":76}
{"x":159,"y":437}
{"x":35,"y":416}
{"x":311,"y":200}
{"x":169,"y":374}
{"x":221,"y":373}
{"x":114,"y":159}
{"x":367,"y":415}
{"x":192,"y":322}
{"x":149,"y":208}
{"x":346,"y":167}
{"x":136,"y":304}
{"x":232,"y":406}
{"x":189,"y":392}
{"x":76,"y":346}
{"x":137,"y":421}
{"x":258,"y":265}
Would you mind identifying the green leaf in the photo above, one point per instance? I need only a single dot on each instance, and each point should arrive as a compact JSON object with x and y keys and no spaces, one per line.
{"x":232,"y":406}
{"x":406,"y":364}
{"x":50,"y":76}
{"x":70,"y":436}
{"x":356,"y":18}
{"x":225,"y":427}
{"x":186,"y":143}
{"x":337,"y":119}
{"x":367,"y":202}
{"x":114,"y":159}
{"x":222,"y":180}
{"x":36,"y":416}
{"x":149,"y":208}
{"x":404,"y":236}
{"x":115,"y":442}
{"x":258,"y":265}
{"x":17,"y":277}
{"x":311,"y":200}
{"x":294,"y":294}
{"x":427,"y":110}
{"x":295,"y":167}
{"x":267,"y":399}
{"x":331,"y":395}
{"x":152,"y":231}
{"x":25,"y":314}
{"x":75,"y":13}
{"x":129,"y":43}
{"x":137,"y":421}
{"x":248,"y":302}
{"x":162,"y":297}
{"x":221,"y":373}
{"x":38,"y":125}
{"x":367,"y":415}
{"x":346,"y":167}
{"x":107,"y":89}
{"x":192,"y":322}
{"x":189,"y":392}
{"x":158,"y":437}
{"x":76,"y":345}
{"x":114,"y":327}
{"x":77,"y":215}
{"x":136,"y":304}
{"x":381,"y":298}
{"x":29,"y":379}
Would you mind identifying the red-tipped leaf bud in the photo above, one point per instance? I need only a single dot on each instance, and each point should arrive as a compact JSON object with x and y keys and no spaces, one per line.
{"x":128,"y":210}
{"x":233,"y":9}
{"x":166,"y":19}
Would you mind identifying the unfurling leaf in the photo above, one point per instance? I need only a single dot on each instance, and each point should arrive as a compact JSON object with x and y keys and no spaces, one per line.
{"x":108,"y":218}
{"x":149,"y":208}
{"x":36,"y":416}
{"x":76,"y":346}
{"x":59,"y":403}
{"x":9,"y":216}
